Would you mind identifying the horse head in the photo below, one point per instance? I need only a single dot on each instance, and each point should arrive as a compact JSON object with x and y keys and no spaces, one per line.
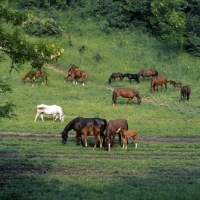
{"x":64,"y":137}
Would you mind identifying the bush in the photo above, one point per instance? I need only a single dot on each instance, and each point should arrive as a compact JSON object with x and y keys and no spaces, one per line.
{"x":46,"y":27}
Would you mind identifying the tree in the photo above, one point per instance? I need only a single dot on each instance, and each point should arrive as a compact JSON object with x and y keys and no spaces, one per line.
{"x":17,"y":47}
{"x":169,"y":20}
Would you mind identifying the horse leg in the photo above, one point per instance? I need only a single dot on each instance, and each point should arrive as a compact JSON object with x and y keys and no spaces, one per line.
{"x":85,"y":138}
{"x":36,"y":116}
{"x":128,"y":101}
{"x":83,"y":81}
{"x":135,"y":140}
{"x":119,"y":135}
{"x":123,"y":143}
{"x":42,"y":116}
{"x":126,"y":142}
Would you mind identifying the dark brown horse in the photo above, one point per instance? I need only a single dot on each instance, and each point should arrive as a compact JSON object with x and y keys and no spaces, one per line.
{"x":115,"y":75}
{"x":111,"y":130}
{"x":126,"y":93}
{"x":158,"y":80}
{"x":76,"y":74}
{"x":148,"y":72}
{"x":35,"y":74}
{"x":179,"y":84}
{"x":79,"y":123}
{"x":185,"y":92}
{"x":90,"y":130}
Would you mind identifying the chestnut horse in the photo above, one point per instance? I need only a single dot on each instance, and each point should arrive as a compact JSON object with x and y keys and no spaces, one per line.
{"x":148,"y":72}
{"x":111,"y":129}
{"x":76,"y":74}
{"x":185,"y":92}
{"x":179,"y":84}
{"x":115,"y":75}
{"x":73,"y":67}
{"x":33,"y":75}
{"x":126,"y":93}
{"x":78,"y":123}
{"x":126,"y":134}
{"x":158,"y":80}
{"x":90,"y":130}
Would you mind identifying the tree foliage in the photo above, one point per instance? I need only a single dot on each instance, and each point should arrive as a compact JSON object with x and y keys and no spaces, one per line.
{"x":18,"y":48}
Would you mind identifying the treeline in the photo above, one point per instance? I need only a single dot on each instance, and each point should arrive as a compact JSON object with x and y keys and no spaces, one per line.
{"x":175,"y":22}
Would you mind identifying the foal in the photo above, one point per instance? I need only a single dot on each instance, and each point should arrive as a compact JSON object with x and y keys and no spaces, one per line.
{"x":179,"y":84}
{"x":126,"y":134}
{"x":89,"y":131}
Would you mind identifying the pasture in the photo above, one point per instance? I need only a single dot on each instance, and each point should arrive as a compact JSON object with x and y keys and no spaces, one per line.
{"x":34,"y":163}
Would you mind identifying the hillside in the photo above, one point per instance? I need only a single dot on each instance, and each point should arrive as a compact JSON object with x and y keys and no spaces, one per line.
{"x":100,"y":53}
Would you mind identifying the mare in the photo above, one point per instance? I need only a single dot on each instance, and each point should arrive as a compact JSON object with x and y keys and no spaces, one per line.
{"x":115,"y":75}
{"x":76,"y":74}
{"x":78,"y":123}
{"x":111,"y":129}
{"x":132,"y":76}
{"x":148,"y":72}
{"x":158,"y":80}
{"x":126,"y":93}
{"x":35,"y":74}
{"x":50,"y":110}
{"x":126,"y":134}
{"x":179,"y":84}
{"x":185,"y":92}
{"x":91,"y":130}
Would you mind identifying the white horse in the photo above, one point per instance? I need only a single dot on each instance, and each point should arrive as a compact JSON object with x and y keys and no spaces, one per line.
{"x":50,"y":110}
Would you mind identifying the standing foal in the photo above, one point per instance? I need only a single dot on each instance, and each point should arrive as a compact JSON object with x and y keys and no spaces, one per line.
{"x":126,"y":134}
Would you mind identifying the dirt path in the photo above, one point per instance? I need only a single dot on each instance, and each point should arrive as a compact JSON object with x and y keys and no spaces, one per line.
{"x":47,"y":136}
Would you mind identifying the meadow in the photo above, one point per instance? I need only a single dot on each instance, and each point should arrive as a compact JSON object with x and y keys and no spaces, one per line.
{"x":34,"y":163}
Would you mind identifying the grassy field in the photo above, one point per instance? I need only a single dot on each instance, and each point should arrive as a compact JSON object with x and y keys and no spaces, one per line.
{"x":34,"y":163}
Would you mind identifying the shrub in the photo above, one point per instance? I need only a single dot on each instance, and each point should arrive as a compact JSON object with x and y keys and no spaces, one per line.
{"x":46,"y":27}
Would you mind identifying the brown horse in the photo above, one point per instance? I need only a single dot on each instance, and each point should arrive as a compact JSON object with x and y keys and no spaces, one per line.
{"x":179,"y":84}
{"x":111,"y":129}
{"x":115,"y":75}
{"x":185,"y":92}
{"x":90,"y":130}
{"x":126,"y":93}
{"x":158,"y":80}
{"x":35,"y":74}
{"x":73,"y":67}
{"x":126,"y":134}
{"x":76,"y":74}
{"x":148,"y":72}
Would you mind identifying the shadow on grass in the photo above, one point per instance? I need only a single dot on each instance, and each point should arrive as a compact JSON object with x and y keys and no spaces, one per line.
{"x":21,"y":180}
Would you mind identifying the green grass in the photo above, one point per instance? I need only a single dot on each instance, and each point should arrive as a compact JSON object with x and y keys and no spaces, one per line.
{"x":34,"y":167}
{"x":44,"y":169}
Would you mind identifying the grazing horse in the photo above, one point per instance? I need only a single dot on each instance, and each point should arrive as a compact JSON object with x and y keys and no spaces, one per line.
{"x":50,"y":110}
{"x":158,"y":80}
{"x":91,"y":130}
{"x":78,"y":123}
{"x":126,"y":93}
{"x":179,"y":84}
{"x":115,"y":75}
{"x":132,"y":76}
{"x":111,"y":129}
{"x":126,"y":134}
{"x":185,"y":92}
{"x":76,"y":74}
{"x":148,"y":72}
{"x":33,"y":75}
